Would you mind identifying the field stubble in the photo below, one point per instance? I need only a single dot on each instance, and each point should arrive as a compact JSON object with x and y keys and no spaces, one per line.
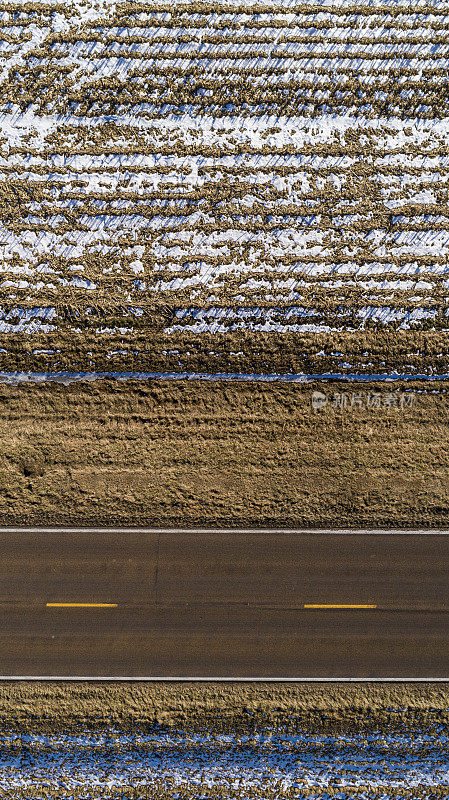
{"x":221,"y":708}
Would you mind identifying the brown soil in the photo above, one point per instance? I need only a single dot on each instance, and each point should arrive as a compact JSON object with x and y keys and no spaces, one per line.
{"x":214,"y":454}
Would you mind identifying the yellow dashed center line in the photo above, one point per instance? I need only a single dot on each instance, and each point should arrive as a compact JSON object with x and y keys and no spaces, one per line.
{"x":345,"y":605}
{"x":82,"y":605}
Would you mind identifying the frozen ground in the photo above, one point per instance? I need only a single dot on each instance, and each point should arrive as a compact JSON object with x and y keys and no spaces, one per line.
{"x":272,"y":764}
{"x":65,"y":378}
{"x":263,"y":183}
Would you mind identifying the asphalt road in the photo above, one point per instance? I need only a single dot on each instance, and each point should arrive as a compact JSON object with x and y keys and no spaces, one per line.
{"x":224,"y":604}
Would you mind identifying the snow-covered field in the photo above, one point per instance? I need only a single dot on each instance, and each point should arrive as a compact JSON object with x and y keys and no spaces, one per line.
{"x":225,"y":187}
{"x":269,"y":764}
